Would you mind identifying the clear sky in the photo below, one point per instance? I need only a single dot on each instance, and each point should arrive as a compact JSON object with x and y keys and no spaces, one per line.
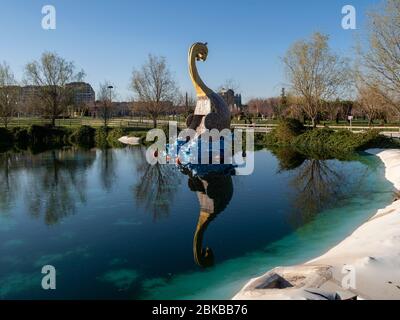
{"x":109,"y":38}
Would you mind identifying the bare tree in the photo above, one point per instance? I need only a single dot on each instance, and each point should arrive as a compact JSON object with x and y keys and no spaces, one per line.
{"x":230,"y":84}
{"x":315,"y":73}
{"x":154,"y":87}
{"x":294,"y":108}
{"x":106,"y":95}
{"x":382,"y":59}
{"x":257,"y":106}
{"x":266,"y":107}
{"x":9,"y":94}
{"x":370,"y":101}
{"x":185,"y":104}
{"x":50,"y":77}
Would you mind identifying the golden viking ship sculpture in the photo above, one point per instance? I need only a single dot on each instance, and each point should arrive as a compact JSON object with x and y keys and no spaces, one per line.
{"x":195,"y":154}
{"x":214,"y":188}
{"x":211,"y":110}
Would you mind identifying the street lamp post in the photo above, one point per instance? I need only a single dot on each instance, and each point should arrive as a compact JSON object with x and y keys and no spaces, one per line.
{"x":108,"y":113}
{"x":110,"y":88}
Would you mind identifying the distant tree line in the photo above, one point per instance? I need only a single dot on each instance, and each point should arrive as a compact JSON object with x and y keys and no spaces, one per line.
{"x":324,"y":86}
{"x":50,"y":95}
{"x":319,"y":78}
{"x":321,"y":85}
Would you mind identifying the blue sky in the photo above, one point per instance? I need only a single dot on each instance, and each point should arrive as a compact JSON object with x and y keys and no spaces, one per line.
{"x":109,"y":38}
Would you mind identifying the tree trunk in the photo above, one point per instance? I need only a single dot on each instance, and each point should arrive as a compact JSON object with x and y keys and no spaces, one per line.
{"x":54,"y":113}
{"x":154,"y":122}
{"x":313,"y":122}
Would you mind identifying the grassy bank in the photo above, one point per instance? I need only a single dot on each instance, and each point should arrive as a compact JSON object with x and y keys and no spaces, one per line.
{"x":325,"y":143}
{"x":41,"y":138}
{"x":316,"y":143}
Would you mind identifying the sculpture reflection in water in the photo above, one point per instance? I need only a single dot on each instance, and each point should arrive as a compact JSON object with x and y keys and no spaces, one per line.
{"x":157,"y":187}
{"x":214,"y":193}
{"x":213,"y":184}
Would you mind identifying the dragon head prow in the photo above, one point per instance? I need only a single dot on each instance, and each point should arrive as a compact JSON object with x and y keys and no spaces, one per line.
{"x":200,"y":51}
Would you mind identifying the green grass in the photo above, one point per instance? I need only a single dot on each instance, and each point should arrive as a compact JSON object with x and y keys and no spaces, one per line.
{"x":318,"y":142}
{"x":41,"y":138}
{"x":325,"y":142}
{"x":89,"y":121}
{"x":146,"y":122}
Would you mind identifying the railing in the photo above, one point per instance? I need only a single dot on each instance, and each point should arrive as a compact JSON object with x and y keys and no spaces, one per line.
{"x":390,"y":131}
{"x":94,"y":122}
{"x":138,"y":122}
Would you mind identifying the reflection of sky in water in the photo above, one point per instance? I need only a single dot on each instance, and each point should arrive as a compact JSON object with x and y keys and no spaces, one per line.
{"x":116,"y":228}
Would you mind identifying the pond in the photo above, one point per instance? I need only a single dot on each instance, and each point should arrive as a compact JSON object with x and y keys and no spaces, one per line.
{"x":116,"y":228}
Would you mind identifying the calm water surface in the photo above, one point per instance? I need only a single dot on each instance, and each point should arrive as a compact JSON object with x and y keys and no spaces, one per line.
{"x":114,"y":227}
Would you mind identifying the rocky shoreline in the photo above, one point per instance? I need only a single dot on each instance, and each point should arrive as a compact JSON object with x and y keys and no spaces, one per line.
{"x":366,"y":265}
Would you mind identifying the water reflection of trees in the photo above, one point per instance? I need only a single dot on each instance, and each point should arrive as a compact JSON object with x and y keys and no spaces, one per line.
{"x":289,"y":158}
{"x":156,"y":186}
{"x":107,"y":168}
{"x":56,"y":187}
{"x":318,"y":184}
{"x":52,"y":182}
{"x":8,"y":182}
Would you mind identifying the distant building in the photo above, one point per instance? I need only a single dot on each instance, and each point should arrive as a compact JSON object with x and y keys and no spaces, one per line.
{"x":83,"y":92}
{"x":234,"y":101}
{"x":121,"y":109}
{"x":82,"y":96}
{"x":165,"y":108}
{"x":118,"y":109}
{"x":28,"y":93}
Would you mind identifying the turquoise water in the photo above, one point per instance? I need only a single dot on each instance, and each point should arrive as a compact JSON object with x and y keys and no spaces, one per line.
{"x":114,"y":227}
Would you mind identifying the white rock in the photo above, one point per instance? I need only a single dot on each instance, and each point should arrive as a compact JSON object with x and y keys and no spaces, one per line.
{"x":133,"y":141}
{"x":372,"y":251}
